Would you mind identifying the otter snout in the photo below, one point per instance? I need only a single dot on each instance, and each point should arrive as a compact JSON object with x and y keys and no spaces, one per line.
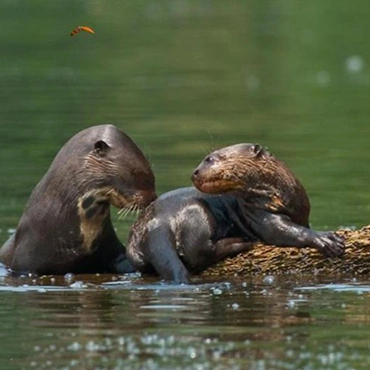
{"x":201,"y":179}
{"x":196,"y":177}
{"x":145,"y":197}
{"x":195,"y":174}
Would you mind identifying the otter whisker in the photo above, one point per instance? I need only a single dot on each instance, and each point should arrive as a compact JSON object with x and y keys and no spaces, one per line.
{"x":124,"y":213}
{"x":134,"y":208}
{"x":121,"y":213}
{"x":122,"y":216}
{"x":111,"y":191}
{"x":121,"y":210}
{"x":126,"y":210}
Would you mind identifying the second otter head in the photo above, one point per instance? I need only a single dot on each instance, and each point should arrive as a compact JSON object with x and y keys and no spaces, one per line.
{"x":232,"y":168}
{"x":255,"y":175}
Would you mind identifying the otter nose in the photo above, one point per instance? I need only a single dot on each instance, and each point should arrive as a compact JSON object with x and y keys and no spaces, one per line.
{"x":195,"y":174}
{"x":146,"y":197}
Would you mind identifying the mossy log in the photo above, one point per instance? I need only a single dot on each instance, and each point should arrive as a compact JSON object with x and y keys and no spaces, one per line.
{"x":262,"y":259}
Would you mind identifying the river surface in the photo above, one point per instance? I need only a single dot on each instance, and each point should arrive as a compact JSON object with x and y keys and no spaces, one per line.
{"x":183,"y":77}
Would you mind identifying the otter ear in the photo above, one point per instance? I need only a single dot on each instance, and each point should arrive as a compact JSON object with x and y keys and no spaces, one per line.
{"x":101,"y":147}
{"x":258,"y":150}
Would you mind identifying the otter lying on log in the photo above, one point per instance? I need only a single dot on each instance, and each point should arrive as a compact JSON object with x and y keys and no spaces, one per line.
{"x":66,"y":226}
{"x":255,"y":198}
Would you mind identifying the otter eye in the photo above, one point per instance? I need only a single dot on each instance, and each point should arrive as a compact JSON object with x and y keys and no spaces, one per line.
{"x":209,"y":159}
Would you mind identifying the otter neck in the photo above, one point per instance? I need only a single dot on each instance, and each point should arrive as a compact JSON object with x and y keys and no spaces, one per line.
{"x":296,"y":205}
{"x":230,"y":220}
{"x":93,"y":210}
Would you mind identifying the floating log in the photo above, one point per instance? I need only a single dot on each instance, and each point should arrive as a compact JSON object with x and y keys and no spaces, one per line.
{"x":262,"y":259}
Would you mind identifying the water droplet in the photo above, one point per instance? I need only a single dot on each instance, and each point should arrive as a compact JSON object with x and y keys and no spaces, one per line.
{"x":253,"y":82}
{"x":75,"y":346}
{"x":216,"y":291}
{"x":354,"y":64}
{"x":323,"y":78}
{"x":77,"y":285}
{"x":269,"y":279}
{"x":235,"y":306}
{"x":69,"y":278}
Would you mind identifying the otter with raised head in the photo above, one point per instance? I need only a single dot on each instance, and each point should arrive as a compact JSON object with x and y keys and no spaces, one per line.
{"x":254,"y":197}
{"x":66,"y":226}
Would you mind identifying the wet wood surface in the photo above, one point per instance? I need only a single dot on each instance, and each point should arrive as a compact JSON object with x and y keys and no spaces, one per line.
{"x":262,"y":259}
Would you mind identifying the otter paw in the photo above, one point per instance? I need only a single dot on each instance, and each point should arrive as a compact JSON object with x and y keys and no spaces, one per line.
{"x":122,"y":266}
{"x":330,"y":244}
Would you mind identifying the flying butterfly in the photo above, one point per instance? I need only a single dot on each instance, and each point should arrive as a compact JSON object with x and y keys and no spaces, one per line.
{"x":82,"y":28}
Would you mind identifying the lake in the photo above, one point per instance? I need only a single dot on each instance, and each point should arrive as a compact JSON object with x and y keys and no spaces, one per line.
{"x":182,"y":78}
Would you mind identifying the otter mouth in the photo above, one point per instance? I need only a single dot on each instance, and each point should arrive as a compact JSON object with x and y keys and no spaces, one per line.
{"x":216,"y":186}
{"x":134,"y":203}
{"x":103,"y":197}
{"x":131,"y":201}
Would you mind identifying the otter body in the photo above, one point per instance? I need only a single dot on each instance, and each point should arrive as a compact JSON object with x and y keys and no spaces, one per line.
{"x":185,"y":229}
{"x":253,"y":197}
{"x":66,"y":226}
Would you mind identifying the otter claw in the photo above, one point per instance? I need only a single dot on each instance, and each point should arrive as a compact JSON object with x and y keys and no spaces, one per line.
{"x":331,"y":244}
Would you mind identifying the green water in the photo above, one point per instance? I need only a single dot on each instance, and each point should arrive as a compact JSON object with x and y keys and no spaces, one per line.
{"x":183,"y":77}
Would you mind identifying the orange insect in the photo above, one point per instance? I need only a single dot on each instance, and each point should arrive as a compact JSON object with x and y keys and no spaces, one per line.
{"x":82,"y":28}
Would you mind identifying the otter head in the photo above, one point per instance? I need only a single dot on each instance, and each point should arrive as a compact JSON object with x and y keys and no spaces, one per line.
{"x":114,"y":169}
{"x":234,"y":168}
{"x":103,"y":167}
{"x":119,"y":171}
{"x":255,"y":175}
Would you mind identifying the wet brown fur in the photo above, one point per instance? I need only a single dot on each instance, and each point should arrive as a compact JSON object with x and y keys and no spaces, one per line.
{"x":244,"y":195}
{"x":262,"y":179}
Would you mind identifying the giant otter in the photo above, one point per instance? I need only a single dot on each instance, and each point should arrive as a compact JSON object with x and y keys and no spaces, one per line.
{"x":66,"y":226}
{"x":187,"y":229}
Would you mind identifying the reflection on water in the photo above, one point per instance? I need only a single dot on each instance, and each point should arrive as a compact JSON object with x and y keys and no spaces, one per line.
{"x":136,"y":323}
{"x":183,"y":77}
